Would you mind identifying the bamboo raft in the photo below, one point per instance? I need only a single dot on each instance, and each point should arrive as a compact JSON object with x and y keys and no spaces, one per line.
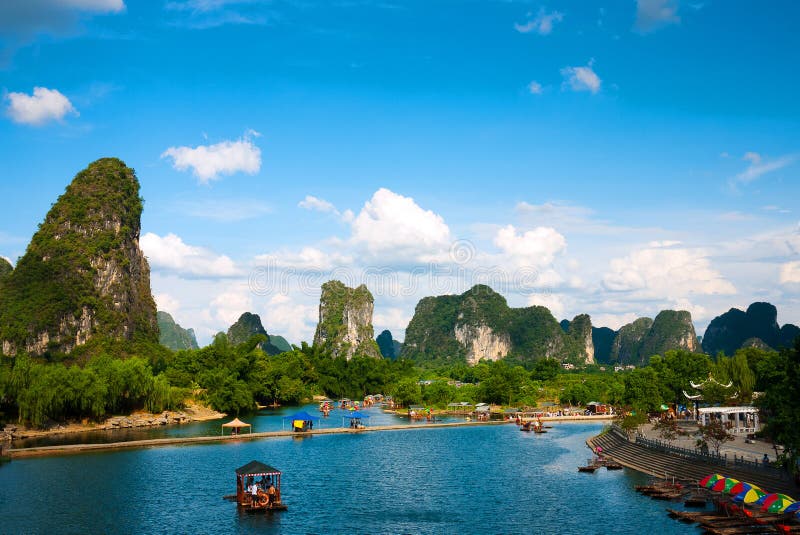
{"x":720,"y":523}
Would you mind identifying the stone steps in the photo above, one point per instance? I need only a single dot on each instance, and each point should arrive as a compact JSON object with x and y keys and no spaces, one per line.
{"x":664,"y":465}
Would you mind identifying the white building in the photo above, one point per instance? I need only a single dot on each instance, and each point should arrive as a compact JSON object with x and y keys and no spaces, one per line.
{"x":739,"y":420}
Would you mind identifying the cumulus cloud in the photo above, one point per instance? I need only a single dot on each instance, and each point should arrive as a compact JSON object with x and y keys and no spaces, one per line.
{"x":42,"y":106}
{"x":654,"y":14}
{"x":170,"y":253}
{"x":582,"y":78}
{"x":541,"y":24}
{"x":536,"y":247}
{"x":392,"y":318}
{"x":552,"y":301}
{"x":535,"y":88}
{"x":758,"y":166}
{"x":657,"y":272}
{"x":790,"y":273}
{"x":227,"y":306}
{"x":167,"y":303}
{"x":391,"y":224}
{"x":208,"y":162}
{"x":315,"y":204}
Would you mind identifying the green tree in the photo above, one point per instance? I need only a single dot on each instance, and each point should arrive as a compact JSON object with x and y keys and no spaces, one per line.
{"x":407,"y":392}
{"x":642,"y":389}
{"x":780,"y":404}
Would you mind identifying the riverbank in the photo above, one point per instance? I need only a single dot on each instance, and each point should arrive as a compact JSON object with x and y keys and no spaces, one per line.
{"x":193,"y":412}
{"x":72,"y":449}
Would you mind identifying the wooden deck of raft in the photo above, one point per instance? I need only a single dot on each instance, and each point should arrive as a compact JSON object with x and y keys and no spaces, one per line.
{"x":71,"y":449}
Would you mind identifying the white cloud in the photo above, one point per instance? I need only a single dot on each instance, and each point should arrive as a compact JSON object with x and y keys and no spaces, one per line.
{"x":550,"y":300}
{"x":394,"y":225}
{"x":208,"y":162}
{"x":758,"y":166}
{"x":542,"y":24}
{"x":167,"y":303}
{"x":227,"y":306}
{"x":535,"y":88}
{"x":658,"y":272}
{"x":790,"y":273}
{"x":613,"y":321}
{"x":537,"y":247}
{"x":582,"y":78}
{"x":308,"y":258}
{"x":653,"y":14}
{"x":392,"y":318}
{"x":42,"y":106}
{"x":664,"y":243}
{"x":170,"y":253}
{"x":316,"y":204}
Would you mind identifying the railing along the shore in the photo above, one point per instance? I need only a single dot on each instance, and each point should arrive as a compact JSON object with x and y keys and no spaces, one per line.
{"x":712,"y":458}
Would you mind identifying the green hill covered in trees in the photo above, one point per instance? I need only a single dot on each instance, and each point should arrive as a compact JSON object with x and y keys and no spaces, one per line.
{"x":83,"y":275}
{"x":174,"y":336}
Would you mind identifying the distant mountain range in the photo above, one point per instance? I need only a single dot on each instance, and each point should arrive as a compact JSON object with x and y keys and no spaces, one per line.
{"x":83,"y":277}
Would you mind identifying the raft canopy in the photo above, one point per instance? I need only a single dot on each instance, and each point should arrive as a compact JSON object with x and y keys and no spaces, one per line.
{"x":355,"y":415}
{"x":301,"y":416}
{"x":257,"y":468}
{"x":236,"y":424}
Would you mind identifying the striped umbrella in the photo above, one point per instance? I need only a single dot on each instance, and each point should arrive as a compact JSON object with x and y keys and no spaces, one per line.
{"x":725,"y":484}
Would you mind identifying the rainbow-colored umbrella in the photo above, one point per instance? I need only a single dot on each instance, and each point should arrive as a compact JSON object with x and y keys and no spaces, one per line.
{"x":776,"y":503}
{"x":742,"y":486}
{"x":709,"y":480}
{"x":725,"y":484}
{"x":749,"y":496}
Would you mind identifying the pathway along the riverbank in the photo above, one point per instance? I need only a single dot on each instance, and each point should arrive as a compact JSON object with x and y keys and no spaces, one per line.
{"x":71,"y":449}
{"x":663,"y":465}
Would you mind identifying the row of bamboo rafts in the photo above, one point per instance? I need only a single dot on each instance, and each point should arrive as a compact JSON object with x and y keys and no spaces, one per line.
{"x":663,"y":490}
{"x":725,"y":521}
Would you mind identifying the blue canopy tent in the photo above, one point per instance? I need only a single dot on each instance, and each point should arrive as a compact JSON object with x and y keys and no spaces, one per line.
{"x":355,"y":418}
{"x":301,"y":421}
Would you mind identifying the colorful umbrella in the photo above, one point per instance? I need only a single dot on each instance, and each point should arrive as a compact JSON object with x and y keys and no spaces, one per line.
{"x":749,"y":496}
{"x":742,"y":487}
{"x":724,"y":485}
{"x":775,"y":503}
{"x":709,"y":480}
{"x":792,"y":508}
{"x":778,"y":505}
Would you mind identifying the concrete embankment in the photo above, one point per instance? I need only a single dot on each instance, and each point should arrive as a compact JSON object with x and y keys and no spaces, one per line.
{"x":664,"y":465}
{"x":71,"y":449}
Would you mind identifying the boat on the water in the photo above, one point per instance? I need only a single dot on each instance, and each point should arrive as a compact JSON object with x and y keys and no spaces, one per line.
{"x":258,"y":488}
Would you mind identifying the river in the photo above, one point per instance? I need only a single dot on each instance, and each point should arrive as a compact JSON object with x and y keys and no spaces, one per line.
{"x":491,"y":479}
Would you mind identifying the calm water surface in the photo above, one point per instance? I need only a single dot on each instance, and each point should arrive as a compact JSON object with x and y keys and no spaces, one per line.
{"x":491,"y":479}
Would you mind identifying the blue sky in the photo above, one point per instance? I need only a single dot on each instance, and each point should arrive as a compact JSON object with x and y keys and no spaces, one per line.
{"x":612,"y":158}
